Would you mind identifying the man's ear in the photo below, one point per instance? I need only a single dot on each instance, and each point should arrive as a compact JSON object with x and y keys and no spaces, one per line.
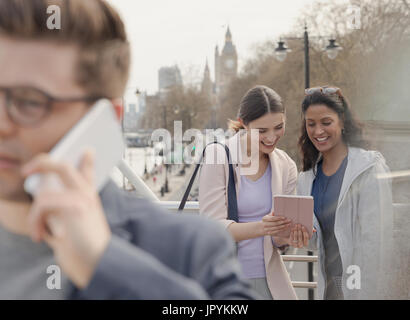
{"x":119,"y":108}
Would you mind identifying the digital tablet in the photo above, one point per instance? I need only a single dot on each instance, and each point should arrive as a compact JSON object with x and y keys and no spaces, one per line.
{"x":299,"y":209}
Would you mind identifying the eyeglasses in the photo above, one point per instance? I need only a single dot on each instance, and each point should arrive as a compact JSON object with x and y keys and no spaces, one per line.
{"x":27,"y":106}
{"x":324,"y":90}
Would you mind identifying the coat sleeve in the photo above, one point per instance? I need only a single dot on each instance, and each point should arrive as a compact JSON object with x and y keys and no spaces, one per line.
{"x":375,"y":217}
{"x":312,"y":245}
{"x":212,"y":186}
{"x":290,"y":187}
{"x":127,"y":272}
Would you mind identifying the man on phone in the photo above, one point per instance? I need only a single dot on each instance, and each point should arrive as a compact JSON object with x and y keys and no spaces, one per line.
{"x":107,"y":245}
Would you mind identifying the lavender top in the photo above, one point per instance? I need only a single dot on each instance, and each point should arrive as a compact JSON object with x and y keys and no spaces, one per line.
{"x":254,"y":202}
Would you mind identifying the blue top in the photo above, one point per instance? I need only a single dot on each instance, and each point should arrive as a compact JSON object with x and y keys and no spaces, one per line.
{"x":254,"y":202}
{"x":325,"y":191}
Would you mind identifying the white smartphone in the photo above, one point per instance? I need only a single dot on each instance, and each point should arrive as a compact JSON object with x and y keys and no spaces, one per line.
{"x":100,"y":130}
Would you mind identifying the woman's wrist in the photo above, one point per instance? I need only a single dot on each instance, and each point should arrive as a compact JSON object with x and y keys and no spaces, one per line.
{"x":279,"y":241}
{"x":260,"y":229}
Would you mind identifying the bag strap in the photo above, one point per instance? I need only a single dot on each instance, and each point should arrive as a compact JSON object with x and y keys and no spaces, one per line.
{"x":232,"y":200}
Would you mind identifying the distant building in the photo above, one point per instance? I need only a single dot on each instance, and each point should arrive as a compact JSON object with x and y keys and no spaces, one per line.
{"x":135,"y":106}
{"x":207,"y":85}
{"x":226,"y":69}
{"x":226,"y":64}
{"x":169,"y":77}
{"x":131,"y":117}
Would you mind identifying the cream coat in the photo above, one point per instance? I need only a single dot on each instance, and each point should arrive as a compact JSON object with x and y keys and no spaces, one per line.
{"x":213,"y":201}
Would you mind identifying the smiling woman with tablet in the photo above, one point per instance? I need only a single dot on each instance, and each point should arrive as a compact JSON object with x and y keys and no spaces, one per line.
{"x":352,"y":205}
{"x":272,"y":172}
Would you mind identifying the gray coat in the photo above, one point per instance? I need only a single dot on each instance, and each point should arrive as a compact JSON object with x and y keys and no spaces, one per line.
{"x":157,"y":255}
{"x":363,"y":224}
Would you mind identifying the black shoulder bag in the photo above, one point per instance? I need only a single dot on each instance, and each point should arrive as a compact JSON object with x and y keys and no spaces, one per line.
{"x":232,"y":202}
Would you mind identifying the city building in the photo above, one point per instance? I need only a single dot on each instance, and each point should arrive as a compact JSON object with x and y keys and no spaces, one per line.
{"x":225,"y":68}
{"x":226,"y":64}
{"x":168,"y":77}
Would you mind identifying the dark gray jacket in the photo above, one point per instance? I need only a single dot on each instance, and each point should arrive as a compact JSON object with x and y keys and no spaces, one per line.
{"x":158,"y":255}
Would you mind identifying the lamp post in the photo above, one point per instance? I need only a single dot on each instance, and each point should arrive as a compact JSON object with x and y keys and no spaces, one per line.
{"x":281,"y":51}
{"x":164,"y":109}
{"x":137,"y":93}
{"x":332,"y":51}
{"x":166,"y":165}
{"x":145,"y":161}
{"x":192,"y":115}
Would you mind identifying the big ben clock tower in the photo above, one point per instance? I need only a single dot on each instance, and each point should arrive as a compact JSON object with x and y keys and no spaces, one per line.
{"x":226,"y":64}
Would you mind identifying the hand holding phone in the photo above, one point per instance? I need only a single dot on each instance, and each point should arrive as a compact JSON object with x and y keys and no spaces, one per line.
{"x":72,"y":221}
{"x":99,"y":130}
{"x":67,"y":212}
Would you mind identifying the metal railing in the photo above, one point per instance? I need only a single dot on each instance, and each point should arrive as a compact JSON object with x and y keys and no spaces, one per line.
{"x":141,"y":188}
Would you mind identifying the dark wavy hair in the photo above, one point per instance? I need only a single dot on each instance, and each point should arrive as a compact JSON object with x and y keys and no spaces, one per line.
{"x":352,"y":134}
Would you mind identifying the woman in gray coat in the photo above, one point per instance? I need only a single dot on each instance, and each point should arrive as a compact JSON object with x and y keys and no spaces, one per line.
{"x":353,"y":201}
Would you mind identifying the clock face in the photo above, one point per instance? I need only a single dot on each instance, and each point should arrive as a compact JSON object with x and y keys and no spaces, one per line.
{"x":229,"y":63}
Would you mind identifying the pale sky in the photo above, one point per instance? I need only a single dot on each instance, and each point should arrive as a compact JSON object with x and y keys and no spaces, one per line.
{"x":185,"y":32}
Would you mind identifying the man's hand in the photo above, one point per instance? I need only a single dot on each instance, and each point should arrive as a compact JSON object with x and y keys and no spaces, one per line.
{"x":71,"y":221}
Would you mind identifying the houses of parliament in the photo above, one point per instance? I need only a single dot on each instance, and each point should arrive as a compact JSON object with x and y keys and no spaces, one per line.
{"x":226,"y":68}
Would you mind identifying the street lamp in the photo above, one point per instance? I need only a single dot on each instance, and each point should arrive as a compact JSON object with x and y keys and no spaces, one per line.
{"x":281,"y":51}
{"x":332,"y":49}
{"x":145,"y":161}
{"x":164,"y":109}
{"x":177,"y":108}
{"x":192,"y":115}
{"x":138,"y":93}
{"x":166,"y":165}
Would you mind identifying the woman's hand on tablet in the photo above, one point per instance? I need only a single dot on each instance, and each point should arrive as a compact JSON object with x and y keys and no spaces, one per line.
{"x":274,"y":225}
{"x":299,"y":236}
